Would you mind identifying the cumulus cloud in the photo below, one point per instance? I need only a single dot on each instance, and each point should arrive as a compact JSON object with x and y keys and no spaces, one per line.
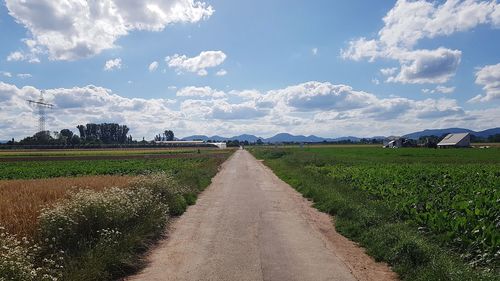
{"x":6,"y":74}
{"x":113,"y":64}
{"x":222,"y":109}
{"x":388,"y":71}
{"x":16,"y":56}
{"x":19,"y":75}
{"x":24,"y":75}
{"x":430,"y":108}
{"x":439,"y":90}
{"x":322,"y":96}
{"x":489,"y":78}
{"x":197,"y":64}
{"x":307,"y":108}
{"x":202,"y":92}
{"x":408,"y":22}
{"x":343,"y":102}
{"x":70,"y":30}
{"x":81,"y":105}
{"x":153,"y":66}
{"x":314,"y":51}
{"x":221,"y":72}
{"x":428,"y":66}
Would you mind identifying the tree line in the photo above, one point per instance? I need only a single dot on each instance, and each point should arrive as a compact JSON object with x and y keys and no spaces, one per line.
{"x":104,"y":133}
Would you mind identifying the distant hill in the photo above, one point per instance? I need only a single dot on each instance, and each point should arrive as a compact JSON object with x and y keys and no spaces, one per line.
{"x":4,"y":141}
{"x":440,"y":132}
{"x":286,"y":137}
{"x":244,"y":137}
{"x":281,"y":137}
{"x":349,"y":138}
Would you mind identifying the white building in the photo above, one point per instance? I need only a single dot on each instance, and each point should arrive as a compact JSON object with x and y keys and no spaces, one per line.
{"x":221,"y":145}
{"x":455,"y":140}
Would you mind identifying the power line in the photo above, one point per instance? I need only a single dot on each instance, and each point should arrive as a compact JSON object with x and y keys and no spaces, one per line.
{"x":41,"y":105}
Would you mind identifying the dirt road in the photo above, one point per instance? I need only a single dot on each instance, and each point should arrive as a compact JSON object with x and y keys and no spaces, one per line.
{"x":250,"y":225}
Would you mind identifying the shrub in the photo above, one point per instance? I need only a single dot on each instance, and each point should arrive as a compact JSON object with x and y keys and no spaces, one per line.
{"x":177,"y":205}
{"x":75,"y":225}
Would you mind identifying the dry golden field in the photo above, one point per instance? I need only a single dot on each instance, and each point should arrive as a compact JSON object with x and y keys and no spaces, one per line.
{"x":22,"y":200}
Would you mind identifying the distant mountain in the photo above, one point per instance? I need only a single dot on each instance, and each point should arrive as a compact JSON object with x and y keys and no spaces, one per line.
{"x":244,"y":137}
{"x":4,"y":141}
{"x":349,"y":138}
{"x":440,"y":132}
{"x":285,"y":137}
{"x":487,"y":133}
{"x":282,"y":137}
{"x":195,"y":137}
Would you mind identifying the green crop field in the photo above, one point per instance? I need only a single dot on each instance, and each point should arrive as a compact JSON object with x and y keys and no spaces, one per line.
{"x":102,"y":152}
{"x":50,"y":169}
{"x":447,"y":199}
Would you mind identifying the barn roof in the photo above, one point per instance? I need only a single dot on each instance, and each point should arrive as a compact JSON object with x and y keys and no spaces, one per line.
{"x":453,"y":139}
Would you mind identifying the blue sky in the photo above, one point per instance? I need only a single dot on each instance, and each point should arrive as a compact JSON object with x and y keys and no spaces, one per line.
{"x":328,"y":68}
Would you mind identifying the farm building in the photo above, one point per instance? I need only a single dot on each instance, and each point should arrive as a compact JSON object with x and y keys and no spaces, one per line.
{"x":455,"y":140}
{"x":393,"y":143}
{"x":396,"y":142}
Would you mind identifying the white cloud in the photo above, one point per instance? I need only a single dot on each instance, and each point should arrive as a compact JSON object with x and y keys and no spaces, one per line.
{"x":314,"y":95}
{"x":201,"y":92}
{"x":408,"y":22}
{"x":314,"y":51}
{"x":113,"y":64}
{"x":308,"y":108}
{"x":428,"y":66}
{"x":19,"y":75}
{"x":30,"y":55}
{"x":375,"y":81}
{"x":6,"y":74}
{"x":24,"y":75}
{"x":221,"y":72}
{"x":16,"y":56}
{"x":444,"y":90}
{"x":153,"y":66}
{"x":489,"y":78}
{"x":197,"y":64}
{"x":72,"y":29}
{"x":222,"y":109}
{"x":388,"y":71}
{"x":439,"y":90}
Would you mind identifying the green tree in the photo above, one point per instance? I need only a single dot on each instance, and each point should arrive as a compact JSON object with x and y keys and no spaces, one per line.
{"x":169,"y":135}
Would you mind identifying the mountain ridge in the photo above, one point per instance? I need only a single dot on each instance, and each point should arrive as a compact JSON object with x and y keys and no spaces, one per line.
{"x":287,"y":137}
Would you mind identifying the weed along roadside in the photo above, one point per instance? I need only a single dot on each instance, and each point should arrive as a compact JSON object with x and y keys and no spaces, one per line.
{"x":428,"y":221}
{"x":101,"y":234}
